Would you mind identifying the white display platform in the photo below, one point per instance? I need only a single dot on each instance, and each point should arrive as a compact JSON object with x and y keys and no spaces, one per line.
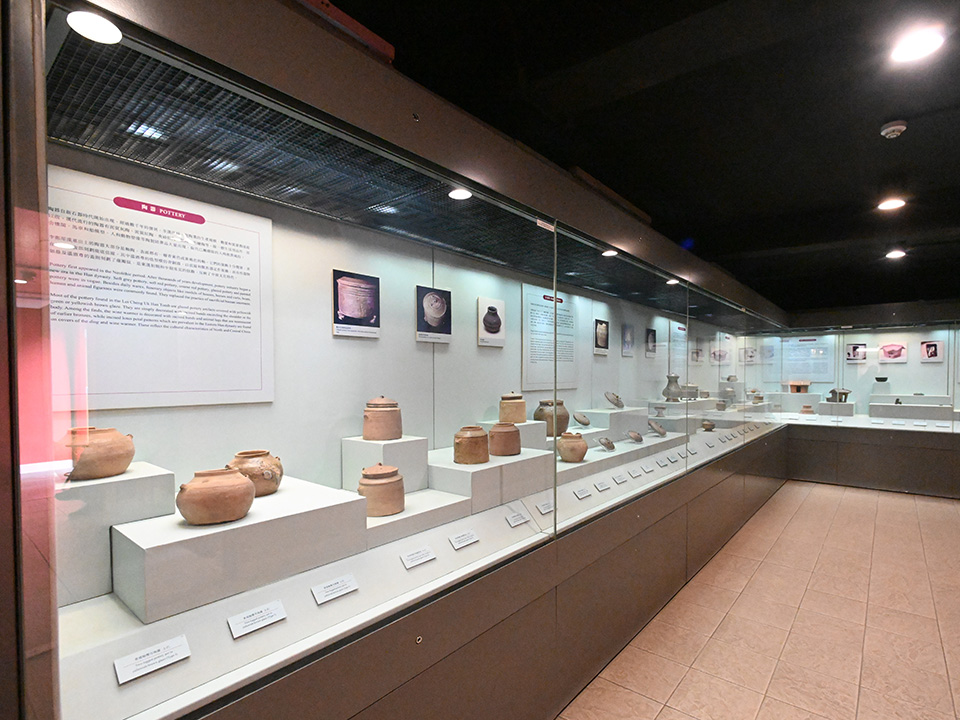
{"x":913,"y":399}
{"x":408,"y":454}
{"x":533,"y":433}
{"x":618,"y":422}
{"x":837,"y":409}
{"x":422,"y":510}
{"x":502,"y":479}
{"x":915,"y":412}
{"x":793,"y":402}
{"x":626,"y":451}
{"x":163,"y":566}
{"x":85,"y":511}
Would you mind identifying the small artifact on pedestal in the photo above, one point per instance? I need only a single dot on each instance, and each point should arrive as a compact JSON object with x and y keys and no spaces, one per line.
{"x":216,"y":496}
{"x":545,"y":412}
{"x":657,"y":428}
{"x":659,"y":409}
{"x":470,"y":446}
{"x":513,"y":408}
{"x":635,"y":436}
{"x":261,"y":467}
{"x":606,"y":443}
{"x":614,"y":399}
{"x":492,"y":320}
{"x":572,"y":447}
{"x":799,"y":386}
{"x":838,"y":395}
{"x":757,"y":399}
{"x":581,"y":418}
{"x":98,"y":452}
{"x":721,"y":405}
{"x":806,"y":410}
{"x":882,"y":379}
{"x":704,"y":393}
{"x":504,"y":439}
{"x":381,"y":420}
{"x":898,"y":402}
{"x":731,"y":378}
{"x":708,"y":425}
{"x":382,"y":486}
{"x":672,"y":392}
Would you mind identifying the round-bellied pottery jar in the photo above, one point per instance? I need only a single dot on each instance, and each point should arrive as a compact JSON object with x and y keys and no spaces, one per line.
{"x":382,"y":486}
{"x":657,"y":428}
{"x":216,"y":496}
{"x":572,"y":447}
{"x":708,"y":425}
{"x":614,"y":399}
{"x":381,"y":420}
{"x":673,"y":392}
{"x":260,"y":466}
{"x":504,"y":439}
{"x":545,"y":412}
{"x":721,"y":404}
{"x":98,"y":452}
{"x":470,"y":446}
{"x":513,"y":408}
{"x":491,"y":320}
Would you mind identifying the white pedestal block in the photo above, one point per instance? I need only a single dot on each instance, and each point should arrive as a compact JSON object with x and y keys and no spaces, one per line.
{"x":408,"y":454}
{"x":524,"y":474}
{"x":533,"y":433}
{"x":502,"y":479}
{"x":163,"y":566}
{"x":422,"y":510}
{"x":624,"y":452}
{"x":913,"y":412}
{"x":836,"y":409}
{"x":792,"y":402}
{"x":912,"y":399}
{"x":618,"y":422}
{"x":85,"y":511}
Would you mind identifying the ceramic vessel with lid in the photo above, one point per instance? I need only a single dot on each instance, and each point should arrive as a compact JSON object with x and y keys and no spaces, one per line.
{"x":382,"y":486}
{"x":673,"y":392}
{"x":545,"y":412}
{"x":491,"y":320}
{"x":504,"y":439}
{"x":356,"y":299}
{"x":381,"y":420}
{"x":657,"y":428}
{"x":470,"y":446}
{"x":721,"y":404}
{"x":614,"y":399}
{"x":572,"y":447}
{"x":513,"y":408}
{"x":216,"y":496}
{"x":261,"y":467}
{"x":98,"y":452}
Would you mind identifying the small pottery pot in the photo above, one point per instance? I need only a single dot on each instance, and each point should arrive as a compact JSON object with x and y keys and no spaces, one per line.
{"x":673,"y":392}
{"x":582,"y":419}
{"x":261,"y":467}
{"x":731,"y":378}
{"x":491,"y":320}
{"x":356,"y":298}
{"x":806,"y":410}
{"x":659,"y":409}
{"x":382,"y":486}
{"x":757,"y":399}
{"x":504,"y":439}
{"x":545,"y":412}
{"x":381,"y":420}
{"x":721,"y":405}
{"x":635,"y":436}
{"x":434,"y":309}
{"x":614,"y":399}
{"x":606,"y":443}
{"x":98,"y":452}
{"x":470,"y":445}
{"x":657,"y":428}
{"x":216,"y":496}
{"x":708,"y":425}
{"x":513,"y":408}
{"x":572,"y":447}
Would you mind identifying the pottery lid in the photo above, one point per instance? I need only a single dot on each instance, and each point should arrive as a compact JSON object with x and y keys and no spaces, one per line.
{"x":382,"y":402}
{"x":379,"y":471}
{"x":511,"y":396}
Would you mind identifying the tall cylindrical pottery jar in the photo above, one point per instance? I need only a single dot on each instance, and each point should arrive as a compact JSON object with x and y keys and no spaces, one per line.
{"x":572,"y":447}
{"x":215,"y":496}
{"x":382,"y":486}
{"x":673,"y":392}
{"x":381,"y":420}
{"x":261,"y":467}
{"x":356,"y":299}
{"x":557,"y":419}
{"x":504,"y":439}
{"x":470,"y":446}
{"x":513,"y":408}
{"x":99,"y":452}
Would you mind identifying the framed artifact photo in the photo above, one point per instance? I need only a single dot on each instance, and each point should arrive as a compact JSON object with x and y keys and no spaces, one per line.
{"x":749,"y":356}
{"x":356,"y":304}
{"x":893,"y":353}
{"x":719,"y":355}
{"x":650,"y":343}
{"x":627,"y":334}
{"x":932,"y":351}
{"x":856,"y":353}
{"x":601,"y":337}
{"x":433,"y":315}
{"x":491,"y":327}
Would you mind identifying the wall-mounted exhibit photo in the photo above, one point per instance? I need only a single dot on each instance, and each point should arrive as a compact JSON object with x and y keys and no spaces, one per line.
{"x":856,"y":353}
{"x":627,"y":335}
{"x":491,"y":329}
{"x":932,"y":351}
{"x":601,"y":337}
{"x":650,"y":343}
{"x":356,"y":304}
{"x":433,"y":315}
{"x":893,"y":353}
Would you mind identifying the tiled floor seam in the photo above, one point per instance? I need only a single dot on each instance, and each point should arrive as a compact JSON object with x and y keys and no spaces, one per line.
{"x":863,"y":643}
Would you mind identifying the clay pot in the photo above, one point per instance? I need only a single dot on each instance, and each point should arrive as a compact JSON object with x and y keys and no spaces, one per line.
{"x":708,"y":425}
{"x":216,"y":496}
{"x":721,"y":405}
{"x":757,"y":399}
{"x":657,"y":428}
{"x":356,"y":298}
{"x":504,"y":439}
{"x":381,"y":420}
{"x":673,"y":392}
{"x":491,"y":320}
{"x":731,"y":378}
{"x":614,"y":399}
{"x":98,"y":452}
{"x":470,"y":446}
{"x":260,"y":466}
{"x":434,"y":308}
{"x":382,"y":486}
{"x":572,"y":447}
{"x":513,"y":408}
{"x":545,"y":412}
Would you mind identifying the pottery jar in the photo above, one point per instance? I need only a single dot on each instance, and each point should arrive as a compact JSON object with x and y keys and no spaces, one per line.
{"x":708,"y":425}
{"x":721,"y":405}
{"x":260,"y":466}
{"x":491,"y":320}
{"x":572,"y":447}
{"x":513,"y":408}
{"x":470,"y":446}
{"x":381,"y":420}
{"x":216,"y":496}
{"x":757,"y":399}
{"x":382,"y":486}
{"x":98,"y":452}
{"x":504,"y":439}
{"x":673,"y":392}
{"x":356,"y":298}
{"x":545,"y":412}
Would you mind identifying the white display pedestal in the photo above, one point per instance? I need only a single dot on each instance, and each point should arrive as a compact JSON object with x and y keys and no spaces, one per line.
{"x":85,"y":511}
{"x":912,"y":399}
{"x":408,"y":454}
{"x":626,"y":451}
{"x":618,"y":422}
{"x":836,"y":409}
{"x":502,"y":479}
{"x":793,"y":402}
{"x":533,"y":433}
{"x":914,"y":412}
{"x":422,"y":510}
{"x":163,"y":566}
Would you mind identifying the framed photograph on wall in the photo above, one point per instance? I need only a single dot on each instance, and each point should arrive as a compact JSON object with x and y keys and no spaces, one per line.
{"x":491,"y":329}
{"x":627,"y":334}
{"x":932,"y":351}
{"x":601,"y":337}
{"x":856,"y":353}
{"x":893,"y":353}
{"x":433,"y":315}
{"x":356,"y":304}
{"x":650,"y":343}
{"x":749,"y":356}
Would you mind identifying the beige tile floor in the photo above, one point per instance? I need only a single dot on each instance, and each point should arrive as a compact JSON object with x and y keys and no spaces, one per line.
{"x":830,"y":602}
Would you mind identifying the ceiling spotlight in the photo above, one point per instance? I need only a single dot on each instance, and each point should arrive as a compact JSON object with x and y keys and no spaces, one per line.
{"x":65,"y":246}
{"x":673,"y":281}
{"x":609,"y":253}
{"x":895,"y":254}
{"x":94,"y":27}
{"x":917,"y":44}
{"x":894,"y":129}
{"x":460,"y":194}
{"x":891,"y":204}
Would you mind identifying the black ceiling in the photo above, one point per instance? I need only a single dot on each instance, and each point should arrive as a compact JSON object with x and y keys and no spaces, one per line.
{"x":748,"y":129}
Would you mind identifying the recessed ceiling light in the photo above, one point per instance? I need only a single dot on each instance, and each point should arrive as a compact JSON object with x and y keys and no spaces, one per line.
{"x":917,"y":44}
{"x":20,"y":281}
{"x":65,"y":246}
{"x":891,"y":204}
{"x":94,"y":27}
{"x":460,"y":194}
{"x":145,"y":131}
{"x":896,"y":254}
{"x":609,"y":253}
{"x":673,"y":281}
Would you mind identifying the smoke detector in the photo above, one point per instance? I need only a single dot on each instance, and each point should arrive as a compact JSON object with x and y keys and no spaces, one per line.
{"x":893,"y":129}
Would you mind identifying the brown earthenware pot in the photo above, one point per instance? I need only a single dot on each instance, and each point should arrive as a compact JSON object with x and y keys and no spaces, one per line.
{"x":708,"y":425}
{"x":545,"y":412}
{"x":504,"y":439}
{"x":470,"y":446}
{"x":216,"y":496}
{"x":382,"y":486}
{"x":99,"y":452}
{"x":381,"y":420}
{"x":572,"y":447}
{"x":513,"y":408}
{"x":260,"y":466}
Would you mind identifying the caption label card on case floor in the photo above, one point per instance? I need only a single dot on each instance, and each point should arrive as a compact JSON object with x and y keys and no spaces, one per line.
{"x":258,"y":617}
{"x":518,"y":518}
{"x":418,"y":557}
{"x":332,"y":589}
{"x":462,"y":539}
{"x":546,"y":507}
{"x":152,"y":658}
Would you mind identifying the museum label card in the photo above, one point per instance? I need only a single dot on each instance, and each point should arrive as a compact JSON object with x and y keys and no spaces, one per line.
{"x":809,"y":419}
{"x":418,"y":557}
{"x":258,"y":617}
{"x":682,"y":453}
{"x":601,"y":485}
{"x":152,"y":658}
{"x":876,"y":421}
{"x":943,"y":424}
{"x":673,"y":458}
{"x":332,"y":589}
{"x":518,"y":518}
{"x":620,"y":478}
{"x":710,"y":444}
{"x":898,"y":422}
{"x":647,"y":468}
{"x":582,"y":493}
{"x":662,"y":463}
{"x":920,"y":423}
{"x":723,"y":438}
{"x":546,"y":507}
{"x":693,"y":451}
{"x":462,"y":539}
